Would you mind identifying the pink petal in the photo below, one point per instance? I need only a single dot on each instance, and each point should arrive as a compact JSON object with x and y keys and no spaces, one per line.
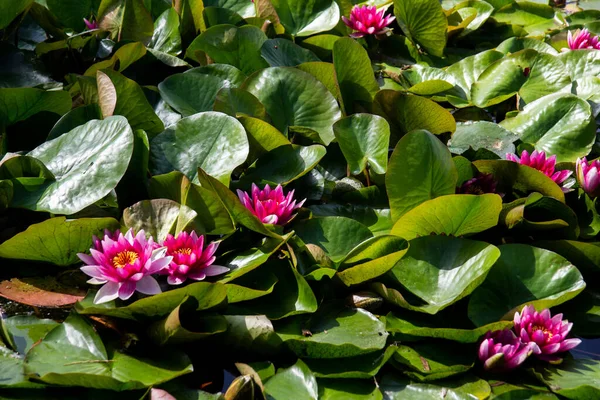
{"x":215,"y":270}
{"x":108,"y":292}
{"x":126,"y":290}
{"x":148,"y":285}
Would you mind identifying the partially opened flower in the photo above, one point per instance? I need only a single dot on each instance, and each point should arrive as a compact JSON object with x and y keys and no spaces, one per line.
{"x":547,"y":332}
{"x":587,"y":176}
{"x":190,"y":258}
{"x":538,"y":160}
{"x":582,"y":39}
{"x":271,"y":206}
{"x":90,"y":24}
{"x":366,"y":20}
{"x":481,"y":184}
{"x":124,"y":264}
{"x":502,"y":350}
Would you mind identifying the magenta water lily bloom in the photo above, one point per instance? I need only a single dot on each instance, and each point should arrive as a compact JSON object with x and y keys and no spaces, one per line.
{"x":271,"y":206}
{"x":547,"y":332}
{"x":366,"y":20}
{"x":503,"y":351}
{"x":582,"y":39}
{"x":481,"y":184}
{"x":190,"y":258}
{"x":539,"y":161}
{"x":90,"y":24}
{"x":587,"y":176}
{"x":124,"y":264}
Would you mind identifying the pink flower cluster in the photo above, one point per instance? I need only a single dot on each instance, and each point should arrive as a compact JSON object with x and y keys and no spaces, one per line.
{"x":582,"y":39}
{"x":536,"y":333}
{"x":90,"y":24}
{"x":538,"y":160}
{"x":270,"y":206}
{"x":125,"y":264}
{"x":366,"y":20}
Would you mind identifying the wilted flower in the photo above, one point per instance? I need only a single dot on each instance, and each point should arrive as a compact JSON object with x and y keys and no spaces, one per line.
{"x":90,"y":24}
{"x":124,"y":264}
{"x":582,"y":39}
{"x":270,"y":206}
{"x":538,"y":160}
{"x":548,"y":333}
{"x":367,"y":21}
{"x":502,"y":350}
{"x":587,"y":176}
{"x":190,"y":258}
{"x":481,"y":184}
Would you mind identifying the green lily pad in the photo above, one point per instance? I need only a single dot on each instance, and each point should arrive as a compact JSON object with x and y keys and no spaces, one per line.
{"x":407,"y":112}
{"x":295,"y":98}
{"x":581,"y":63}
{"x":12,"y":10}
{"x":307,"y":17}
{"x":283,"y":165}
{"x":559,"y":124}
{"x":420,"y":169}
{"x":423,"y":22}
{"x":524,"y":275}
{"x":354,"y":75}
{"x":482,"y":135}
{"x":295,"y":382}
{"x":397,"y":387}
{"x":196,"y":90}
{"x":21,"y":103}
{"x":335,"y":332}
{"x":429,"y":362}
{"x":348,"y":389}
{"x":443,"y":277}
{"x":85,"y":361}
{"x":364,"y":138}
{"x":213,"y":141}
{"x":362,"y":367}
{"x":98,"y":156}
{"x":573,"y":379}
{"x":429,"y":329}
{"x":183,"y":325}
{"x":56,"y":240}
{"x":584,"y":255}
{"x":229,"y":44}
{"x":23,"y":331}
{"x":237,"y":102}
{"x":166,"y":37}
{"x":378,"y":220}
{"x":283,"y":53}
{"x":456,"y":215}
{"x":335,"y":235}
{"x":158,"y":306}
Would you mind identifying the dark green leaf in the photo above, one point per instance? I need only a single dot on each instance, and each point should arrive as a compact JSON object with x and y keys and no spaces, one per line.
{"x":524,"y":275}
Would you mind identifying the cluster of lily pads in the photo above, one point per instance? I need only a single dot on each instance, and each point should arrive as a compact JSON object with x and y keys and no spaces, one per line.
{"x":299,"y":199}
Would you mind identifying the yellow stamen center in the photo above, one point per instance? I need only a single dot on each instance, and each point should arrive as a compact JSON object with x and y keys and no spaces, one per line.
{"x":544,"y":330}
{"x":186,"y":251}
{"x":124,"y":258}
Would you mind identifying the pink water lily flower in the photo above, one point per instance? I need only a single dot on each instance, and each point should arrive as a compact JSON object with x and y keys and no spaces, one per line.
{"x":503,"y":351}
{"x":481,"y":184}
{"x":538,"y":160}
{"x":366,"y":20}
{"x":588,"y":176}
{"x":271,"y":206}
{"x":547,"y":332}
{"x":190,"y":258}
{"x":124,"y":264}
{"x":582,"y":39}
{"x":90,"y":24}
